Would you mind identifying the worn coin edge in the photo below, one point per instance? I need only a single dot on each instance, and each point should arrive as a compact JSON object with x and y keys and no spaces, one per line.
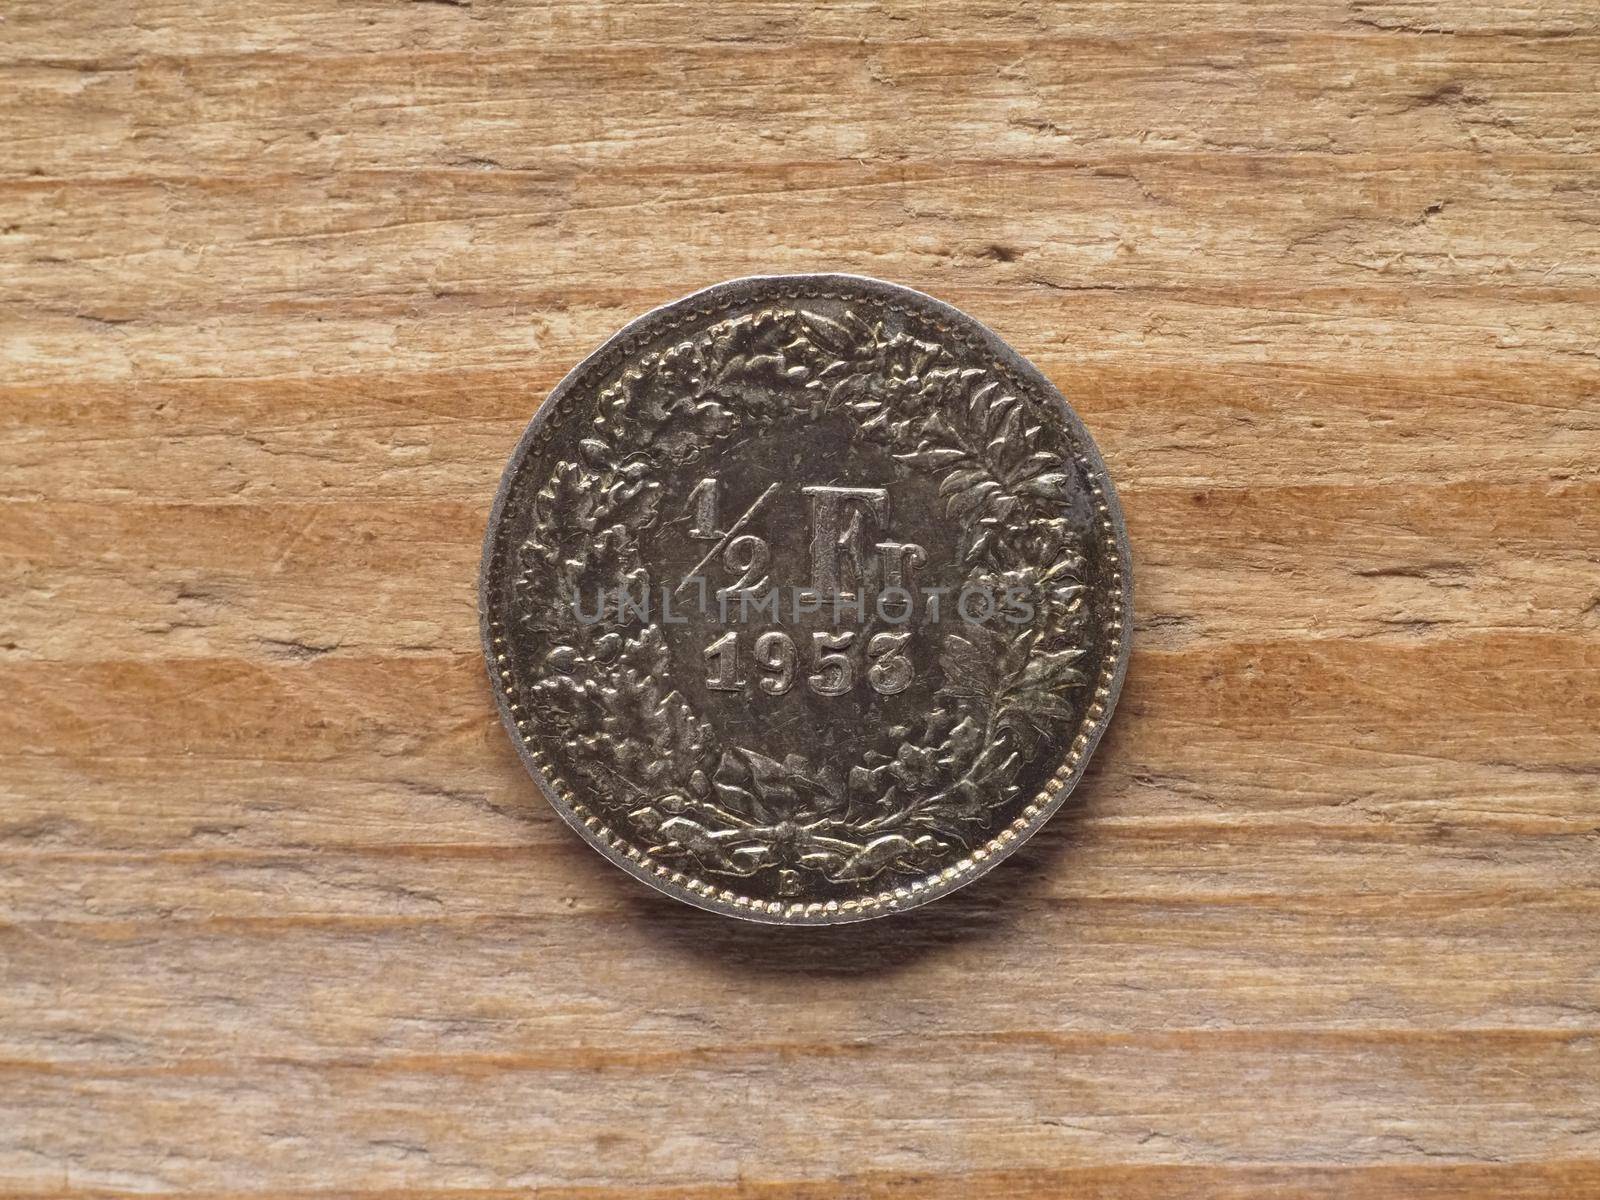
{"x":708,"y":302}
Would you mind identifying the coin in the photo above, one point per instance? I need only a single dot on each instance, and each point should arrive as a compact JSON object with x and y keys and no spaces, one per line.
{"x":806,"y":599}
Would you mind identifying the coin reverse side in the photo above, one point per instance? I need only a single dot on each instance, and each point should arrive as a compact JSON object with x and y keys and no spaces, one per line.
{"x":806,"y":599}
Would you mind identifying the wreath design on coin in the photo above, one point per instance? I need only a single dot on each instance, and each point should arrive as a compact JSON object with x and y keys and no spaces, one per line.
{"x":654,"y":766}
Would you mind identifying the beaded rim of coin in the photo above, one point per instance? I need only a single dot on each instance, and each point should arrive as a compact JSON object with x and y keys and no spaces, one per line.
{"x":1107,"y":680}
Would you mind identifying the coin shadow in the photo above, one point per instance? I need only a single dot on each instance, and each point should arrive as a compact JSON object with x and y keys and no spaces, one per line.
{"x":1005,"y":897}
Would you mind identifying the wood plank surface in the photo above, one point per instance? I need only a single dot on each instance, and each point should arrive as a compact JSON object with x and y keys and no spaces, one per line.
{"x":281,"y":282}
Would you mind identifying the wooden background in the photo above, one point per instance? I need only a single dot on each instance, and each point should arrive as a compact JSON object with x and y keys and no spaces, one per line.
{"x":280,"y":283}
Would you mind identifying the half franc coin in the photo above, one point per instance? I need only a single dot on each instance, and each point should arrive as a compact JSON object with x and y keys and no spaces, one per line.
{"x":806,"y":599}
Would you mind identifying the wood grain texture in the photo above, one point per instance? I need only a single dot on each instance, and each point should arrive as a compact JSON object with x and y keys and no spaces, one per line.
{"x":282,"y":282}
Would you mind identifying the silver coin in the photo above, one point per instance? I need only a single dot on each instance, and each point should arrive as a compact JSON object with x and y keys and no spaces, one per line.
{"x":806,"y":599}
